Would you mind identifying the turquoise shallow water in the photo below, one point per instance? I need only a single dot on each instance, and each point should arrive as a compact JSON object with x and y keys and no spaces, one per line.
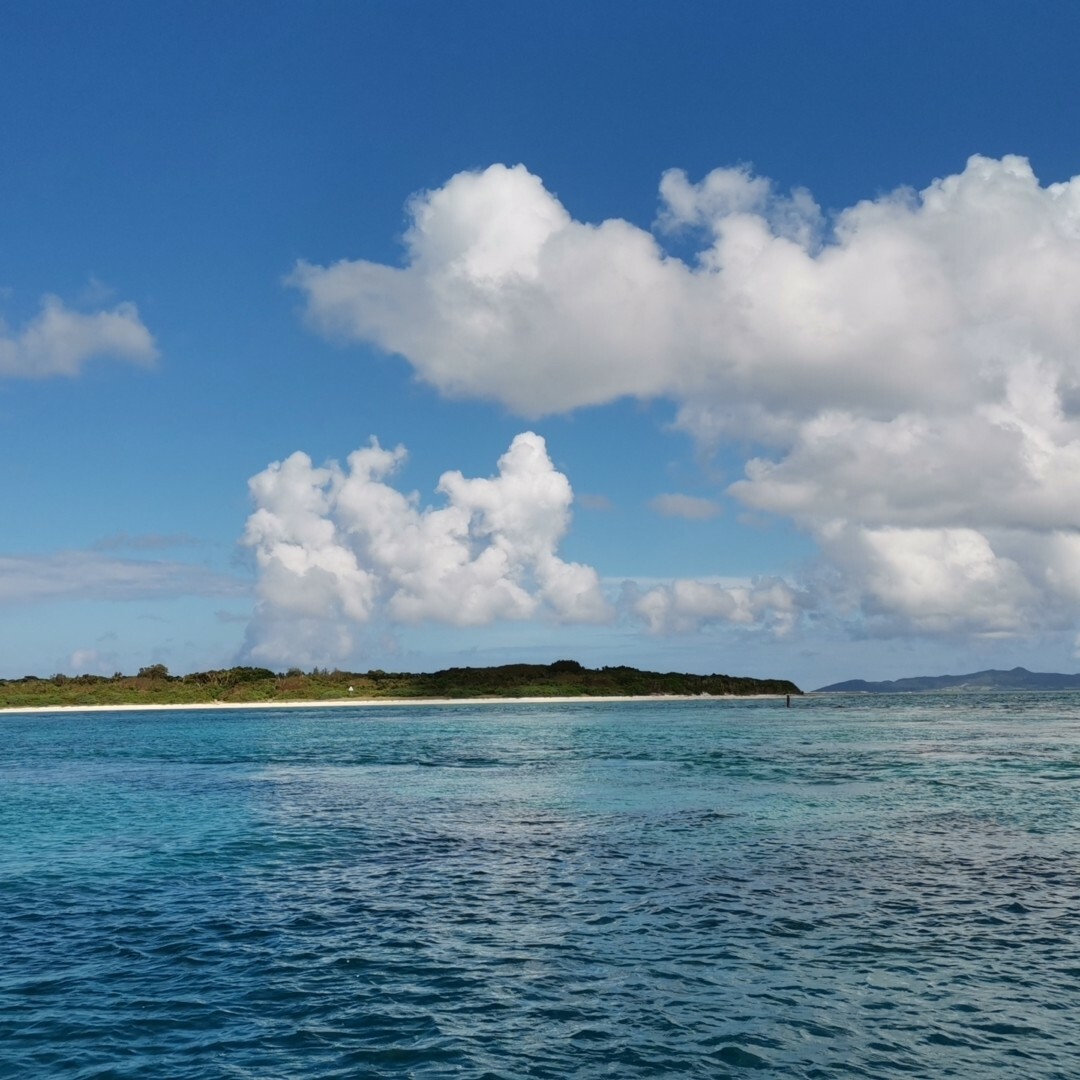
{"x":853,"y":887}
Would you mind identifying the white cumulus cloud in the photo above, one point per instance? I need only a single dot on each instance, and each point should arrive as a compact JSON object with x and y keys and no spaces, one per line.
{"x":908,"y":367}
{"x":59,"y":341}
{"x":339,"y":546}
{"x":685,"y":606}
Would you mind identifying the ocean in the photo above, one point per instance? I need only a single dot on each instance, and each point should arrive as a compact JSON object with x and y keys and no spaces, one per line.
{"x":877,"y":886}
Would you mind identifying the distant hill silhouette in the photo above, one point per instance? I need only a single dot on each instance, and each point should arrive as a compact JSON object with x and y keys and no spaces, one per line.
{"x":1017,"y":679}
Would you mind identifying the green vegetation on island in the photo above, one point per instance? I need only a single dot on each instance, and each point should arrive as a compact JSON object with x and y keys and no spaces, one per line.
{"x":154,"y":685}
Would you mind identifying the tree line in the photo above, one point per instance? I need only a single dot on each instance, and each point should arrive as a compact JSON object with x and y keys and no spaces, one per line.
{"x":153,"y":684}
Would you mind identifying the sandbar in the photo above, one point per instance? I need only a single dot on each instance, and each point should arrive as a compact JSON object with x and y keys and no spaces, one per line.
{"x":337,"y":703}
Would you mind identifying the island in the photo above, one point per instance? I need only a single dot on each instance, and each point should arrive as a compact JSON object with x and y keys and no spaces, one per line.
{"x":1017,"y":678}
{"x":153,"y":685}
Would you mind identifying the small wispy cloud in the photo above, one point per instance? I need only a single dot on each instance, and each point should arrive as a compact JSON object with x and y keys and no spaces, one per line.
{"x":59,"y":340}
{"x":95,"y":293}
{"x":688,"y":507}
{"x":91,"y":662}
{"x":88,"y":575}
{"x":122,"y":541}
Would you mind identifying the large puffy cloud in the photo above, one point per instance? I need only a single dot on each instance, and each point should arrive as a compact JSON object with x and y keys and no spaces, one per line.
{"x":505,"y":297}
{"x":1010,"y":463}
{"x":993,"y":583}
{"x":58,"y":341}
{"x":337,"y":547}
{"x":908,"y":301}
{"x":340,"y":548}
{"x":909,"y":367}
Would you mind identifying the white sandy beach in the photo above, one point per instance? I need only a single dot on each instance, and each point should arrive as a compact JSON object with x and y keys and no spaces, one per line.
{"x":338,"y":703}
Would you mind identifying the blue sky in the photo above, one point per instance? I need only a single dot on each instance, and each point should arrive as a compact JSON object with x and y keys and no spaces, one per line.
{"x":768,"y":311}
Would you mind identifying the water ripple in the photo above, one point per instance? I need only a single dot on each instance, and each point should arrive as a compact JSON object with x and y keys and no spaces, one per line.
{"x":679,"y":889}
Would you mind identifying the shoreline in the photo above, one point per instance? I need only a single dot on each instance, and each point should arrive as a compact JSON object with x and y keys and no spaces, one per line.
{"x":364,"y":703}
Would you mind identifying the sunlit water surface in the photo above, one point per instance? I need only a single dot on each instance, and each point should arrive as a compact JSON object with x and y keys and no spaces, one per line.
{"x":867,"y":887}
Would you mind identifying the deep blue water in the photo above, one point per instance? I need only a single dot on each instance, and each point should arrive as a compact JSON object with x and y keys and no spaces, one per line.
{"x":853,"y":887}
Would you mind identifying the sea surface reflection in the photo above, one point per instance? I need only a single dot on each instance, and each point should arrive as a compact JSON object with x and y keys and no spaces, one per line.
{"x":850,"y":887}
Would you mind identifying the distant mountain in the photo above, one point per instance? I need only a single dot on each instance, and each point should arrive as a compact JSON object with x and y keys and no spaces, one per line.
{"x":1017,"y":679}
